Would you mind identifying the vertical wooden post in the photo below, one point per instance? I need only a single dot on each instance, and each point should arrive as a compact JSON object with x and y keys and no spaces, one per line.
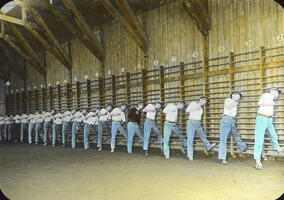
{"x":7,"y":100}
{"x":29,"y":100}
{"x":205,"y":42}
{"x":144,"y":85}
{"x":101,"y":92}
{"x":182,"y":91}
{"x":127,"y":87}
{"x":50,"y":98}
{"x":231,"y":88}
{"x":59,"y":98}
{"x":69,"y":96}
{"x":261,"y":68}
{"x":162,"y":96}
{"x":78,"y":95}
{"x":24,"y":96}
{"x":17,"y":102}
{"x":36,"y":99}
{"x":89,"y":102}
{"x":43,"y":98}
{"x":113,"y":83}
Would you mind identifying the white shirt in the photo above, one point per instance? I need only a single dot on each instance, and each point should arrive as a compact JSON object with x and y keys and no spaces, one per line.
{"x":266,"y":110}
{"x":24,"y":118}
{"x":232,"y":112}
{"x":78,"y":117}
{"x":7,"y":120}
{"x":91,"y":118}
{"x":57,"y":119}
{"x":2,"y":120}
{"x":150,"y":115}
{"x":104,"y":117}
{"x":67,"y":116}
{"x":171,"y":112}
{"x":39,"y":118}
{"x":17,"y":119}
{"x":197,"y":114}
{"x":120,"y":117}
{"x":32,"y":118}
{"x":48,"y":117}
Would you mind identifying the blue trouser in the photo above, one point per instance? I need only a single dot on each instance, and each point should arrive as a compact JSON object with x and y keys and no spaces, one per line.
{"x":6,"y":131}
{"x":38,"y":128}
{"x":75,"y":128}
{"x":114,"y":128}
{"x":65,"y":126}
{"x":16,"y":131}
{"x":261,"y":124}
{"x":55,"y":128}
{"x":133,"y":128}
{"x":31,"y":128}
{"x":10,"y":131}
{"x":87,"y":129}
{"x":1,"y":131}
{"x":148,"y":126}
{"x":46,"y":126}
{"x":168,"y":128}
{"x":192,"y":127}
{"x":102,"y":125}
{"x":24,"y":127}
{"x":226,"y":126}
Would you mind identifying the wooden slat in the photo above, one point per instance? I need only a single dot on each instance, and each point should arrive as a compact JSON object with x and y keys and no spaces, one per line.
{"x":79,"y":19}
{"x":17,"y":21}
{"x":39,"y":66}
{"x":15,"y":66}
{"x":42,"y":24}
{"x":130,"y":16}
{"x":115,"y":13}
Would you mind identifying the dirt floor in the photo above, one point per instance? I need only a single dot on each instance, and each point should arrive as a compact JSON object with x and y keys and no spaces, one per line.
{"x":35,"y":172}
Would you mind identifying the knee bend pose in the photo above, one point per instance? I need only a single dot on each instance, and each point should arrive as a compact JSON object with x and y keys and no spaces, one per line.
{"x":48,"y":117}
{"x":56,"y":126}
{"x":17,"y":119}
{"x":194,"y":125}
{"x":91,"y":121}
{"x":32,"y":121}
{"x":171,"y":112}
{"x":38,"y":125}
{"x":66,"y":124}
{"x":150,"y":125}
{"x":133,"y":128}
{"x":264,"y":121}
{"x":79,"y":117}
{"x":228,"y":124}
{"x":118,"y":117}
{"x":104,"y":117}
{"x":24,"y":126}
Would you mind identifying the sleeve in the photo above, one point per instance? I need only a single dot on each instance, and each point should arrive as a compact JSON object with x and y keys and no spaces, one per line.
{"x":190,"y":107}
{"x":166,"y":109}
{"x":123,"y":117}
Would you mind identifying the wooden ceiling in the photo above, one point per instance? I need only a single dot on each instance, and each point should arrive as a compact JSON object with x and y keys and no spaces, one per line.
{"x":34,"y":25}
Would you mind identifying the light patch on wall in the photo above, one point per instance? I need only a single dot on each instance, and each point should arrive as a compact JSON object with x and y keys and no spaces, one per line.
{"x":195,"y":54}
{"x":280,"y":37}
{"x":249,"y":43}
{"x":156,"y":62}
{"x":221,"y":49}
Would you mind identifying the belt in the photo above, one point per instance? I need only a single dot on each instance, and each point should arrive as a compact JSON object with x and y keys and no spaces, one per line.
{"x":228,"y":116}
{"x":267,"y":116}
{"x":170,"y":121}
{"x":150,"y":119}
{"x":116,"y":120}
{"x":134,"y":122}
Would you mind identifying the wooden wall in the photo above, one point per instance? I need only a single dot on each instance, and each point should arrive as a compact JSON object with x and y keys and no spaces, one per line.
{"x":172,"y":34}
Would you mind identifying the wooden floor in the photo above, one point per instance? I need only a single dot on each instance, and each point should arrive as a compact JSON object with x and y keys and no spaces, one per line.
{"x":35,"y":172}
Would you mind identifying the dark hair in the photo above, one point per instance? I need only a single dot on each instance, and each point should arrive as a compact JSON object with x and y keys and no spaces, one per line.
{"x":204,"y":97}
{"x":235,"y":92}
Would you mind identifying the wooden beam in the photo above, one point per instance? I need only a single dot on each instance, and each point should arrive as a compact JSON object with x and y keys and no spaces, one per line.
{"x":40,"y":21}
{"x":83,"y":38}
{"x":19,"y":50}
{"x":115,"y":13}
{"x":79,"y":19}
{"x":46,"y":45}
{"x":17,"y":21}
{"x":14,"y":65}
{"x":39,"y":66}
{"x":130,"y":16}
{"x":197,"y":11}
